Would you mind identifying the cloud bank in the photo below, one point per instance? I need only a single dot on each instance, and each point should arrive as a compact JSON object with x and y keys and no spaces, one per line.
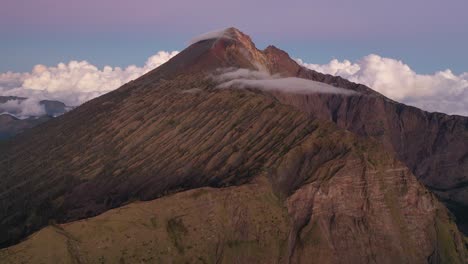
{"x":244,"y":78}
{"x":23,"y":108}
{"x":73,"y":83}
{"x":442,"y":91}
{"x":76,"y":82}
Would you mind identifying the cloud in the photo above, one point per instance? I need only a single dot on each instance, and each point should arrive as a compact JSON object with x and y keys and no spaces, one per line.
{"x":442,"y":91}
{"x":23,"y":108}
{"x":233,"y":73}
{"x":210,"y":35}
{"x":73,"y":83}
{"x":76,"y":82}
{"x":244,"y":78}
{"x":10,"y":80}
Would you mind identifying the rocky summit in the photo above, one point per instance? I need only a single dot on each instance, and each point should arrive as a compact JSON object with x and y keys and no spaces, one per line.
{"x":230,"y":154}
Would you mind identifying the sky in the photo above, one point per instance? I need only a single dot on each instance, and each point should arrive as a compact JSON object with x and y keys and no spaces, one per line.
{"x":428,"y":37}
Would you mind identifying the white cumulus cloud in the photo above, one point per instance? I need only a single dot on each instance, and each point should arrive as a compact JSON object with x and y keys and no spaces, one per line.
{"x":73,"y":83}
{"x":442,"y":91}
{"x":76,"y":82}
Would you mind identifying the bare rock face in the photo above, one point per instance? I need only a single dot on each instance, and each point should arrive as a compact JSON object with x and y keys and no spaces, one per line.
{"x":379,"y":204}
{"x":344,"y":198}
{"x":433,"y":145}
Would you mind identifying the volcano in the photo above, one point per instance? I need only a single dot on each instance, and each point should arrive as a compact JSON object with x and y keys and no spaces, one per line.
{"x":228,"y":153}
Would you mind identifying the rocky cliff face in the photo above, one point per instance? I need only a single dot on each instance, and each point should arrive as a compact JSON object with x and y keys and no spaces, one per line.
{"x":433,"y":145}
{"x":325,"y":191}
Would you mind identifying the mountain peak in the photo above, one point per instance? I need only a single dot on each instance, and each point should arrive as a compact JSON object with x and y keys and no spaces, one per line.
{"x":229,"y":40}
{"x":231,"y":48}
{"x":230,"y":33}
{"x":239,"y":36}
{"x":224,"y":48}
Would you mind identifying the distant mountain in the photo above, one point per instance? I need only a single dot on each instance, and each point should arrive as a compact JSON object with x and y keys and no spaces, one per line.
{"x":52,"y":108}
{"x":243,"y":156}
{"x":4,"y":99}
{"x":10,"y":125}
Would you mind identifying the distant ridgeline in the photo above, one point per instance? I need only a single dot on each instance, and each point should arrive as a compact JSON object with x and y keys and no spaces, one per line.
{"x":14,"y":119}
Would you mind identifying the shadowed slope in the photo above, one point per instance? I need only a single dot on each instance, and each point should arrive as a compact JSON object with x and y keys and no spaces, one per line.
{"x":10,"y":125}
{"x":360,"y":206}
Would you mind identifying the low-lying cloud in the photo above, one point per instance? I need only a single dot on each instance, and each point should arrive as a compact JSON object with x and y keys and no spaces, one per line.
{"x":23,"y":108}
{"x":442,"y":91}
{"x":210,"y":35}
{"x":244,"y":78}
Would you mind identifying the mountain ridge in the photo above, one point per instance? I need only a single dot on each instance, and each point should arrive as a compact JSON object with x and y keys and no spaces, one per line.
{"x":330,"y":105}
{"x":12,"y":122}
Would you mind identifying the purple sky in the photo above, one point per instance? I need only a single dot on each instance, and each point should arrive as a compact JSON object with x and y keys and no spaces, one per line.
{"x":324,"y":18}
{"x":47,"y":31}
{"x":415,"y":41}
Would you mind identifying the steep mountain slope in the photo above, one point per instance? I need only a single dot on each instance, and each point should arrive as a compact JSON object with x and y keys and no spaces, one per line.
{"x":359,"y":206}
{"x":173,"y":129}
{"x":433,"y":145}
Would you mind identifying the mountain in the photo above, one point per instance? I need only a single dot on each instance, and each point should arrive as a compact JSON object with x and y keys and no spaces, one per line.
{"x":10,"y":125}
{"x":4,"y":99}
{"x":51,"y":108}
{"x":433,"y":145}
{"x":240,"y":155}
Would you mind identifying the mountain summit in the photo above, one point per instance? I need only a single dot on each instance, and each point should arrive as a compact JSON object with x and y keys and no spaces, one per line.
{"x":240,"y":154}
